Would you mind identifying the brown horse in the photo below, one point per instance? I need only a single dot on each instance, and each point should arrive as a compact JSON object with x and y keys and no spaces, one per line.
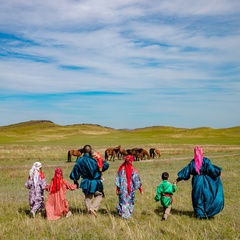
{"x":112,"y":153}
{"x":136,"y":152}
{"x":143,"y":154}
{"x":122,"y":153}
{"x":78,"y":153}
{"x":154,"y":152}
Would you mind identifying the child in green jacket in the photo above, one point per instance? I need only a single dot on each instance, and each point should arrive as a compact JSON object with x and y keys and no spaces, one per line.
{"x":164,"y":194}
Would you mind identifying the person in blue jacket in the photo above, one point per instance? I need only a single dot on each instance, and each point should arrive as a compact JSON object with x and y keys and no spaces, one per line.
{"x":87,"y":168}
{"x":207,"y":189}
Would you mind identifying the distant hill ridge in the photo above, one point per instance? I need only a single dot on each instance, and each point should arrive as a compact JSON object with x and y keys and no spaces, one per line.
{"x":50,"y":123}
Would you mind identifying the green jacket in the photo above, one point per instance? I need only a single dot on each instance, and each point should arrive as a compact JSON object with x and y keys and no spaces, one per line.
{"x":164,"y":193}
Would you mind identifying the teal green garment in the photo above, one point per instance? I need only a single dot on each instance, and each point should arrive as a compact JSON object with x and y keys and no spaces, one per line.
{"x":165,"y":187}
{"x":207,"y":189}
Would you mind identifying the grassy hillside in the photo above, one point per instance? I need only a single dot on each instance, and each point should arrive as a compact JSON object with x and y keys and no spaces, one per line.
{"x":42,"y":132}
{"x":24,"y":143}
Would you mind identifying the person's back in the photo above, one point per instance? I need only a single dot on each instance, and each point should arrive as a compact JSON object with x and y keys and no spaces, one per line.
{"x":57,"y":205}
{"x":164,"y":194}
{"x":87,"y":168}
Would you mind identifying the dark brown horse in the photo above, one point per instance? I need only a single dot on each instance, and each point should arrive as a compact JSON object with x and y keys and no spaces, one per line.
{"x":78,"y":153}
{"x":112,"y":153}
{"x":136,"y":152}
{"x":154,"y":152}
{"x":144,"y":154}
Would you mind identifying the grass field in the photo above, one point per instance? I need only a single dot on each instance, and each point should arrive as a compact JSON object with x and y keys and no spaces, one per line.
{"x":22,"y":145}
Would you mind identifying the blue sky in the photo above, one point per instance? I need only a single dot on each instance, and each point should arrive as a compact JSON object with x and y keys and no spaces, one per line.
{"x":121,"y":64}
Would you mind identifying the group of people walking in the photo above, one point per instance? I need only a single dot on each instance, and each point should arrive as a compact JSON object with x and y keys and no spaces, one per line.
{"x":207,"y":190}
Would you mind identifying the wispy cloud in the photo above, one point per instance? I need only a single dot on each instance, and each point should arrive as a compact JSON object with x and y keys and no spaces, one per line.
{"x":121,"y":64}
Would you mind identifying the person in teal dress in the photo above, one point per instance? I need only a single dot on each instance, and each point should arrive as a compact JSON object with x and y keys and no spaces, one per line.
{"x":207,"y":188}
{"x":164,"y":194}
{"x":87,"y":168}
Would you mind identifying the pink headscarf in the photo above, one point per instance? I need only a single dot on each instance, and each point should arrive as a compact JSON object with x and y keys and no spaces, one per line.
{"x":198,"y":158}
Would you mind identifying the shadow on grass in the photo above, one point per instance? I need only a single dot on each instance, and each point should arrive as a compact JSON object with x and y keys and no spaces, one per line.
{"x":174,"y":211}
{"x":25,"y":211}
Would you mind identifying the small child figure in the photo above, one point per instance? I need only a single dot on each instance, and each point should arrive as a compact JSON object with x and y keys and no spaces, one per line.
{"x":36,"y":184}
{"x":97,"y":156}
{"x":56,"y":205}
{"x":164,"y":194}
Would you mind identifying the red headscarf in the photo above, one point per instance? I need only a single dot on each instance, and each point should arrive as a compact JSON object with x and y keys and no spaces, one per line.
{"x":128,"y":169}
{"x":198,"y":158}
{"x":56,"y":181}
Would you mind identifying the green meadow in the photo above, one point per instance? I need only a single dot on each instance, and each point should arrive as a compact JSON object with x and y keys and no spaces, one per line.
{"x":24,"y":143}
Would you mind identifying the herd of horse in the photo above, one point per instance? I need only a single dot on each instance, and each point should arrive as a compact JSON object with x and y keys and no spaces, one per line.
{"x":119,"y":153}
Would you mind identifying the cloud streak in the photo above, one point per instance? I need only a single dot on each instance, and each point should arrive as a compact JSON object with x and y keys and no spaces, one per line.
{"x":121,"y":64}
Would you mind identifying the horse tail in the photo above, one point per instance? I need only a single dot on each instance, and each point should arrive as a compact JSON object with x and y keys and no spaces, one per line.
{"x":69,"y":156}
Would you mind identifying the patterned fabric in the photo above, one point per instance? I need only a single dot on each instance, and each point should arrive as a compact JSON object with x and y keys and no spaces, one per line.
{"x":127,"y":165}
{"x":126,"y":201}
{"x":36,"y":192}
{"x":56,"y":205}
{"x":164,"y":193}
{"x":207,"y":189}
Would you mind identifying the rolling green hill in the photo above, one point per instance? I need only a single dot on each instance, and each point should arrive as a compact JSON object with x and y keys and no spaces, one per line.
{"x":47,"y":132}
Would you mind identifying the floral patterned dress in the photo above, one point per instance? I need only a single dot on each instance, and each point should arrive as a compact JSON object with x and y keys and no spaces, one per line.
{"x":36,"y":194}
{"x":126,"y":201}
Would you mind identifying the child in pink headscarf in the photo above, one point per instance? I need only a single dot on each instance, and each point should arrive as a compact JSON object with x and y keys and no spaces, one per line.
{"x":56,"y":205}
{"x":97,"y":156}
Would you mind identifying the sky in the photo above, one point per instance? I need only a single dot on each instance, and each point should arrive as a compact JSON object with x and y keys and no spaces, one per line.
{"x":121,"y":64}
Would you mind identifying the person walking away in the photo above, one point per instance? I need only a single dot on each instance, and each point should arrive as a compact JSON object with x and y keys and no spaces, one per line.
{"x":127,"y":181}
{"x":57,"y":205}
{"x":87,"y":168}
{"x":207,"y":189}
{"x":36,"y":184}
{"x":164,"y":194}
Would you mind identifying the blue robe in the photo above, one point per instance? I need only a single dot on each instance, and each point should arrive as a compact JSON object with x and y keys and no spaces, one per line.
{"x":87,"y":169}
{"x":207,"y":189}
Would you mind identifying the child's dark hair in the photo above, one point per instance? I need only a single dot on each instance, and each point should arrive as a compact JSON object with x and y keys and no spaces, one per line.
{"x":165,"y":176}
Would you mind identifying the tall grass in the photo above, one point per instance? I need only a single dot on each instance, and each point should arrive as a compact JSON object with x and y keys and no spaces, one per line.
{"x":21,"y":145}
{"x":146,"y":220}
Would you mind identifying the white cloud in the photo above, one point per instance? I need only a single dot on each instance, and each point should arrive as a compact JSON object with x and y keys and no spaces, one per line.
{"x":178,"y":48}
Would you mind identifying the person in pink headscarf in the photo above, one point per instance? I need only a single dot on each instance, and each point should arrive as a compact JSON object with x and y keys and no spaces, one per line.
{"x":127,"y":181}
{"x":57,"y":205}
{"x":207,"y":189}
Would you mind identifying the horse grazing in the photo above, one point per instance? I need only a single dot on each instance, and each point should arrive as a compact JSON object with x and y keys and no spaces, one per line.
{"x":154,"y":152}
{"x":136,"y":152}
{"x":122,"y":153}
{"x":78,"y":153}
{"x":143,"y":154}
{"x":112,"y":152}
